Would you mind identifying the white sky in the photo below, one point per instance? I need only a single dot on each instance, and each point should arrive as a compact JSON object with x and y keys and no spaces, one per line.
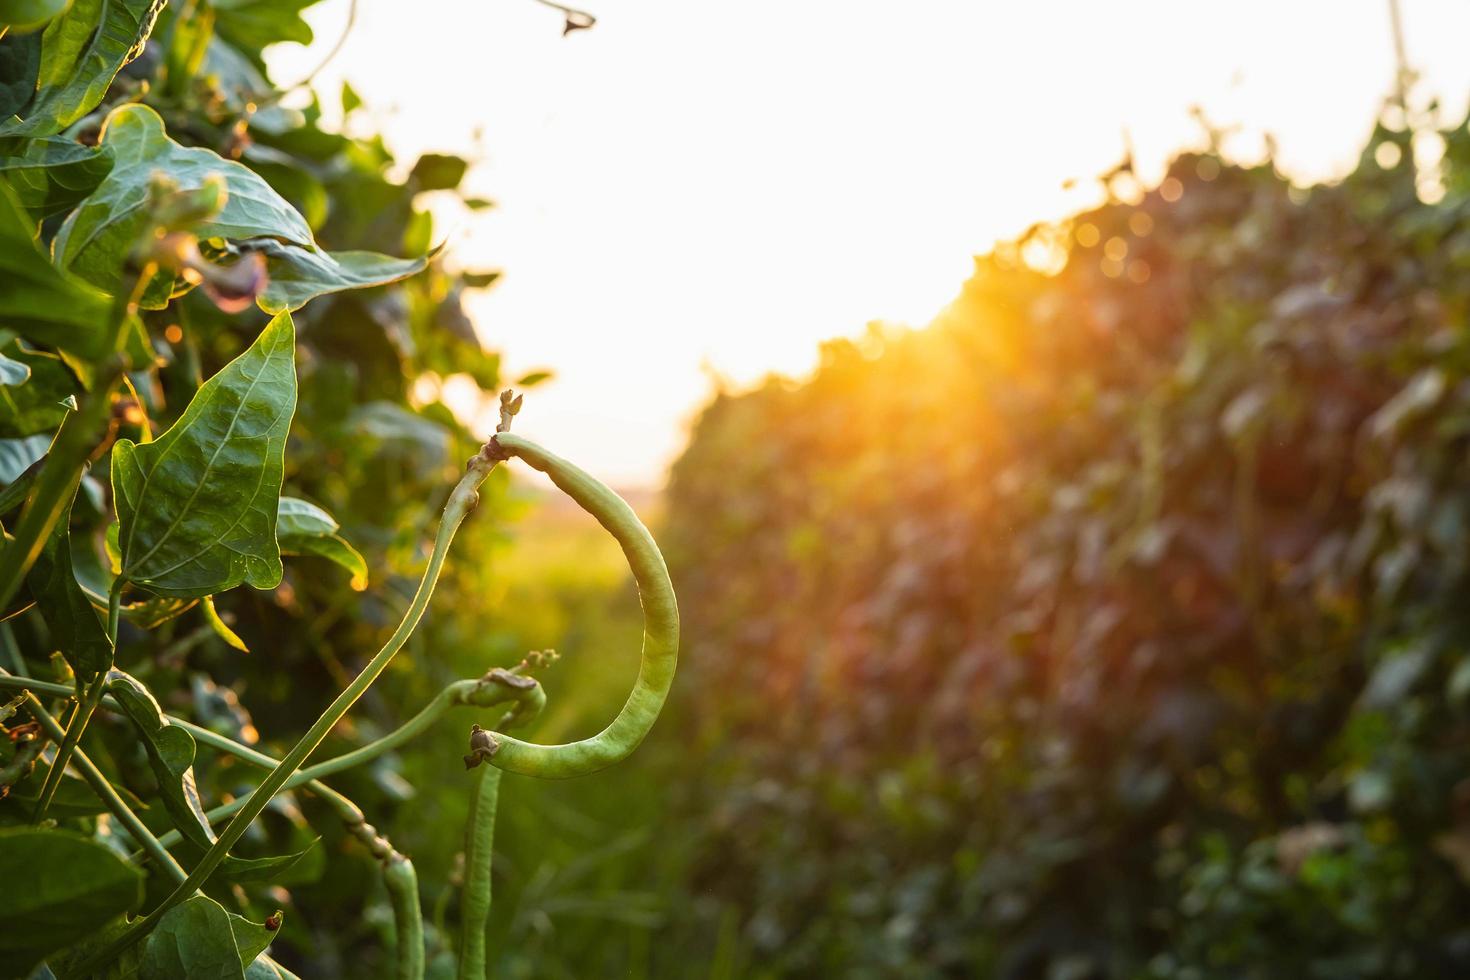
{"x":696,"y":186}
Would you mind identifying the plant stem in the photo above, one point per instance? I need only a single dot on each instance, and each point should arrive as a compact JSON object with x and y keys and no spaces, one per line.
{"x":461,"y":500}
{"x":479,"y":843}
{"x":107,"y":794}
{"x":73,"y":734}
{"x":86,"y":706}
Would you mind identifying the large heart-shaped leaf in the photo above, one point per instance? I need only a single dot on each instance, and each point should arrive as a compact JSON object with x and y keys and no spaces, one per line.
{"x":81,"y":52}
{"x":170,"y":755}
{"x":197,"y":506}
{"x":39,"y":301}
{"x":60,"y":888}
{"x":95,"y":238}
{"x":76,"y":629}
{"x":303,"y":528}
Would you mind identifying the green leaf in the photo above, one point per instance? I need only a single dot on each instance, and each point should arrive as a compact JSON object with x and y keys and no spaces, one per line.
{"x":437,"y":172}
{"x":246,"y":870}
{"x":13,"y":372}
{"x":96,"y":582}
{"x":303,"y":528}
{"x":253,"y":24}
{"x":299,"y":275}
{"x":81,"y":52}
{"x":197,"y":506}
{"x":74,"y":798}
{"x":96,"y":237}
{"x":296,"y":517}
{"x":194,"y":939}
{"x":52,"y":175}
{"x":170,"y":755}
{"x":39,"y":301}
{"x":42,"y":403}
{"x":18,"y":455}
{"x":76,"y":628}
{"x":252,"y":938}
{"x":26,"y":14}
{"x":20,"y":65}
{"x":125,"y":967}
{"x":69,"y":887}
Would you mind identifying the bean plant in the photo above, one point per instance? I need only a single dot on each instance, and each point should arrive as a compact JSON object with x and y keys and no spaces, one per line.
{"x":124,"y":198}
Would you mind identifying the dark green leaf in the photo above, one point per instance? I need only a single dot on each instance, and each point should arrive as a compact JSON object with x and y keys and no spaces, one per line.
{"x":438,"y":172}
{"x":253,"y":24}
{"x":303,"y":528}
{"x":69,"y":888}
{"x":262,"y":869}
{"x":74,"y":798}
{"x":479,"y":280}
{"x":76,"y":628}
{"x":20,"y":65}
{"x":39,"y":301}
{"x":81,"y":52}
{"x":52,"y":175}
{"x":125,"y":967}
{"x":170,"y":754}
{"x":194,"y":939}
{"x":41,"y":404}
{"x":197,"y":506}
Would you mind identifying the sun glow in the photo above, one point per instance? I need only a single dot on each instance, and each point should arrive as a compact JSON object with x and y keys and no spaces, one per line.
{"x":697,"y":189}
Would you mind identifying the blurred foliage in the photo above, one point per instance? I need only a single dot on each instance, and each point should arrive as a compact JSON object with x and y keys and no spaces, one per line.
{"x":1114,"y":625}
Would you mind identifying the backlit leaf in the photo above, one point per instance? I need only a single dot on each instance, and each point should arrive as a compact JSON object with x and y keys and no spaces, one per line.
{"x":197,"y":506}
{"x":303,"y":528}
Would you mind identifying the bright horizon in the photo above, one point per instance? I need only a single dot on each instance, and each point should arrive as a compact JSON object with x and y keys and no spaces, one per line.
{"x":692,"y":190}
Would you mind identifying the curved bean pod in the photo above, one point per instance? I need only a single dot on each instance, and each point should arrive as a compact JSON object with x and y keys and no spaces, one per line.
{"x":660,"y":629}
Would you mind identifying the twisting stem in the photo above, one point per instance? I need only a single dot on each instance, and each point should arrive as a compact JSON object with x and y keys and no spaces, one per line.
{"x":483,"y":693}
{"x":461,"y":500}
{"x":479,"y":843}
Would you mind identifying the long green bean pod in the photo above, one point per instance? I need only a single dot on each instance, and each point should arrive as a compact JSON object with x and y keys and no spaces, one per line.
{"x":660,"y":629}
{"x":478,"y":846}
